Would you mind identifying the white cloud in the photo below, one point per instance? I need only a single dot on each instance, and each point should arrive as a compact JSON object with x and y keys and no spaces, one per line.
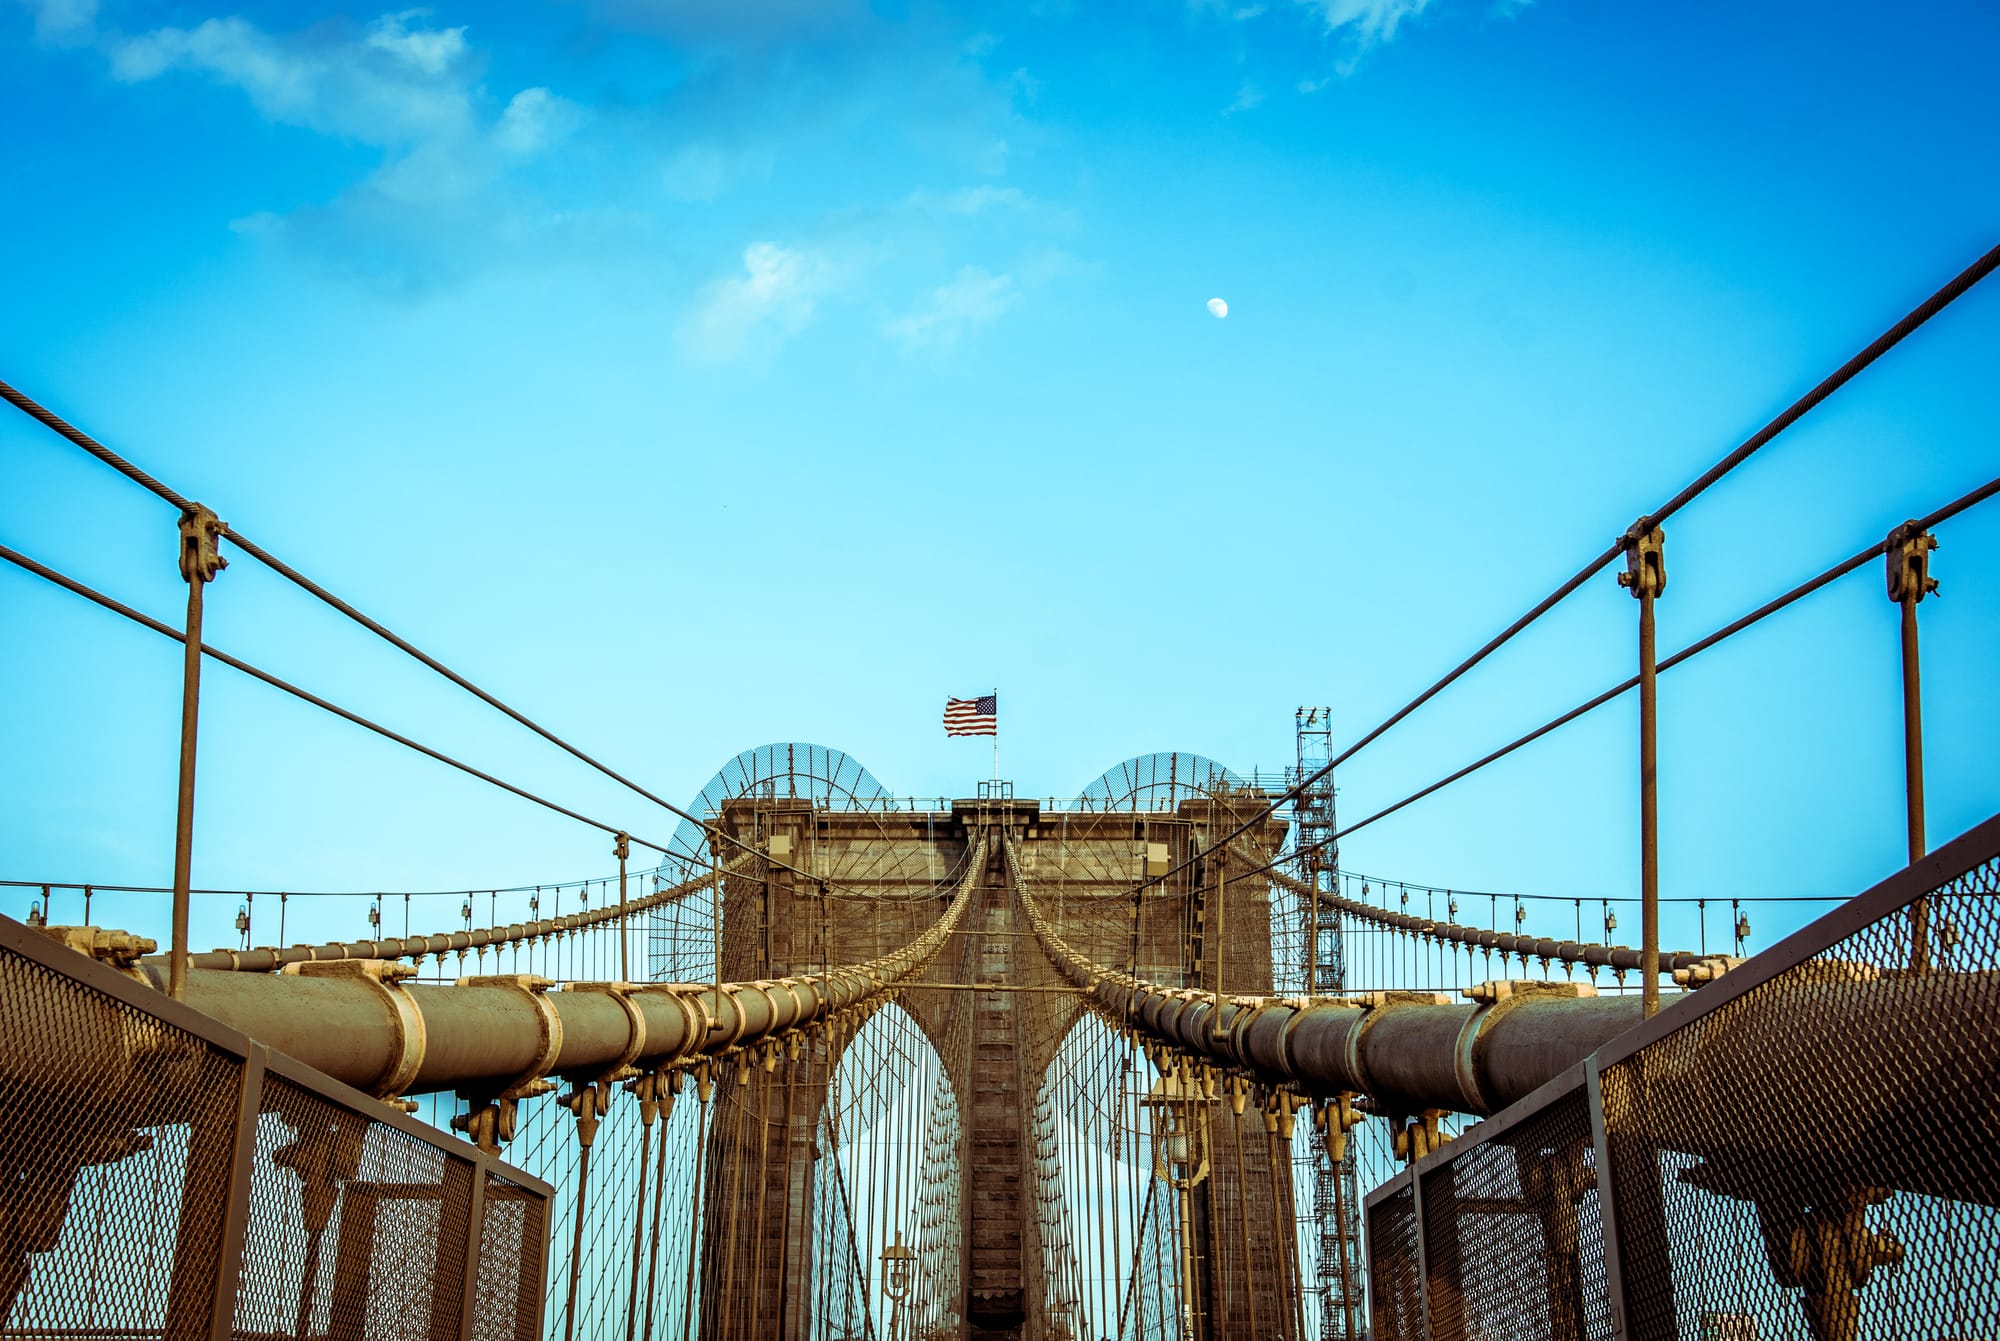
{"x":354,"y":89}
{"x":534,"y":120}
{"x":769,"y":303}
{"x":1371,"y":21}
{"x":429,"y":50}
{"x":1247,"y":96}
{"x":970,"y":200}
{"x":972,"y":300}
{"x":63,"y":22}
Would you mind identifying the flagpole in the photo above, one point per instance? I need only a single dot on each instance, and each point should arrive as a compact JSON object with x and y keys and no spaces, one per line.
{"x":996,"y":736}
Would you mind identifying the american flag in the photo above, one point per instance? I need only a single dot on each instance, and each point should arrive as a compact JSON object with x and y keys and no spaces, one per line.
{"x":972,"y":716}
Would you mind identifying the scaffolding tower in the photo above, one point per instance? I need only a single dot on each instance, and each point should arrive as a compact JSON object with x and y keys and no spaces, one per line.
{"x":1338,"y":1272}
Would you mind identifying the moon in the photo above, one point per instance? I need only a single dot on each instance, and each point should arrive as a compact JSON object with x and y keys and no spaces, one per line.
{"x":1217,"y":308}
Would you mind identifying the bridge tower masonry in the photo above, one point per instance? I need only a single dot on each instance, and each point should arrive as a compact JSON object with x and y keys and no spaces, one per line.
{"x":876,"y":879}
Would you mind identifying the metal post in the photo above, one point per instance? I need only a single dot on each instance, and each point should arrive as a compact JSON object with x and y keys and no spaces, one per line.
{"x":475,"y":1241}
{"x":1908,"y":551}
{"x":200,"y":561}
{"x":1645,"y":576}
{"x":1221,"y":941}
{"x":236,"y":1209}
{"x":1607,"y":1200}
{"x":623,"y":847}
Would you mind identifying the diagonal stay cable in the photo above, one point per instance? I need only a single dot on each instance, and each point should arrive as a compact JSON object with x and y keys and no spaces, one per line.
{"x":1693,"y":649}
{"x":62,"y":427}
{"x":1797,"y":410}
{"x":43,"y":571}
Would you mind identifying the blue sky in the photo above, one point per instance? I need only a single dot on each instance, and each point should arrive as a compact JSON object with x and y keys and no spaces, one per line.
{"x":696,"y":375}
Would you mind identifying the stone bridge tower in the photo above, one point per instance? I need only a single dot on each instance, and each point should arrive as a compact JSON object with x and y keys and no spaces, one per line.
{"x":880,"y":876}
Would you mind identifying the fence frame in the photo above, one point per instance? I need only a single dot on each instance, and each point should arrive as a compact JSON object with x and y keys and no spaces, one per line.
{"x":257,"y":1063}
{"x":1963,"y":854}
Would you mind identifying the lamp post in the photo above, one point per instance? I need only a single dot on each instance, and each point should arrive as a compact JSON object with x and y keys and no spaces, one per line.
{"x":1177,"y":1112}
{"x":899,"y":1276}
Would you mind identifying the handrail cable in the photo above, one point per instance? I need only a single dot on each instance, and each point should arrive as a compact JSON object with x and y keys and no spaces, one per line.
{"x":1804,"y":589}
{"x":48,"y":574}
{"x":1922,"y":313}
{"x":100,"y":887}
{"x":63,"y":428}
{"x":1915,"y":319}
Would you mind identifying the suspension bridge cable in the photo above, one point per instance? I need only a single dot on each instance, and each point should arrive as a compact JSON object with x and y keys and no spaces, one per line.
{"x":1922,"y":313}
{"x":40,"y":570}
{"x":62,"y":427}
{"x":1804,"y":589}
{"x":103,"y":888}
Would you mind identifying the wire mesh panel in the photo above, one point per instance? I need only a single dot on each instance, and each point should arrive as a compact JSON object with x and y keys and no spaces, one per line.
{"x":114,"y":1167}
{"x":1395,"y":1277}
{"x":1513,"y":1238}
{"x":163,"y":1176}
{"x":1808,"y":1150}
{"x":354,"y":1228}
{"x":508,"y":1302}
{"x":1817,"y":1157}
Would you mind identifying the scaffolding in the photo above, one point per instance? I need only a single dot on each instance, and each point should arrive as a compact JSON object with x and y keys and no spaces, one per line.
{"x":1338,"y":1273}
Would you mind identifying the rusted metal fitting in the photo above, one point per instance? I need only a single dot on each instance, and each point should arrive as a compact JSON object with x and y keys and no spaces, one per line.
{"x":1287,"y":1109}
{"x":621,"y":846}
{"x":1645,"y":547}
{"x":1340,"y":1116}
{"x":1373,"y":1005}
{"x":1705,"y":971}
{"x":1514,"y":990}
{"x":635,"y":1040}
{"x":587,"y":1100}
{"x":1495,"y":999}
{"x":695,"y":1016}
{"x":1829,"y":1251}
{"x":549,"y":1043}
{"x":647,"y":1088}
{"x":119,"y":949}
{"x":201,"y":536}
{"x":1909,"y":562}
{"x":1420,"y":1136}
{"x":385,"y":977}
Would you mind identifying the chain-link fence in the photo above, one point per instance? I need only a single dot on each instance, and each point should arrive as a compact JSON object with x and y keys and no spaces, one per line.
{"x":1808,"y":1148}
{"x":163,"y":1176}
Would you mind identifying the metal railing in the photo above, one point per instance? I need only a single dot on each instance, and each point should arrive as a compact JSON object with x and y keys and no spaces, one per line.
{"x":161,"y":1175}
{"x":1809,"y":1147}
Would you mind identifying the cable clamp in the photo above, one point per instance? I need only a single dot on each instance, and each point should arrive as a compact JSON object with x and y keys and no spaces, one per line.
{"x":1645,"y":546}
{"x":550,"y":1031}
{"x":201,"y":536}
{"x":1495,"y":999}
{"x":386,"y":978}
{"x":1908,"y":551}
{"x":635,"y":1036}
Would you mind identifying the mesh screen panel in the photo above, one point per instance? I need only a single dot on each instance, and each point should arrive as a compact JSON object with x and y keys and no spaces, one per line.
{"x":1514,"y":1242}
{"x":1815,"y":1157}
{"x":354,"y":1229}
{"x":1394,"y":1281}
{"x":1818,"y":1157}
{"x":114,"y":1169}
{"x":119,"y":1190}
{"x":511,"y":1251}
